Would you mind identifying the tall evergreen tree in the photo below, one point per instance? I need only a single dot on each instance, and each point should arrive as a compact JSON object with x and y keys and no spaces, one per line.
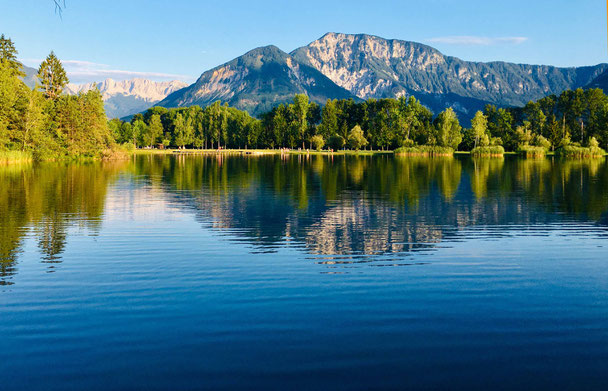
{"x":8,"y":55}
{"x":52,"y":76}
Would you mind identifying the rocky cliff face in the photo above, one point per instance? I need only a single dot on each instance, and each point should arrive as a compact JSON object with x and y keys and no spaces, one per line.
{"x":256,"y":82}
{"x":123,"y":98}
{"x":374,"y":67}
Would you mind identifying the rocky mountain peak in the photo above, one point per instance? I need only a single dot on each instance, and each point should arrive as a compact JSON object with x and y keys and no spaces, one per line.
{"x":127,"y":97}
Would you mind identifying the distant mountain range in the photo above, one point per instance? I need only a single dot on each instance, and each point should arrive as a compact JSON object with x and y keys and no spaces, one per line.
{"x":123,"y":98}
{"x":364,"y":66}
{"x":358,"y":66}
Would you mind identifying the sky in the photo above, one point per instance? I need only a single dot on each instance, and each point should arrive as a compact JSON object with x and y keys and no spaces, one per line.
{"x":180,"y":39}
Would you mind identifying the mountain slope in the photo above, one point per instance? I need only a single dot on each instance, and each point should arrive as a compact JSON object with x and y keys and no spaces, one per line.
{"x":256,"y":82}
{"x":31,"y":76}
{"x":127,"y":97}
{"x":600,"y":82}
{"x":374,"y":67}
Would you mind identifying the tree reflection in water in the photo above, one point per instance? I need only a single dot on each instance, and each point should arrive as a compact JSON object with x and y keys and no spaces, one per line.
{"x":339,"y":209}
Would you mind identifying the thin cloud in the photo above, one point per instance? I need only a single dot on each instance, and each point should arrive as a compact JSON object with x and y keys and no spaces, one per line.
{"x":479,"y":41}
{"x":86,"y":71}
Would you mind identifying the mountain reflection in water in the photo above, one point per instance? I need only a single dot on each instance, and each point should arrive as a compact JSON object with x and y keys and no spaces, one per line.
{"x":340,"y":210}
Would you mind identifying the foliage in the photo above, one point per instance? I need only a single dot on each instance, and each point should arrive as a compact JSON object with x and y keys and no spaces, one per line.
{"x":494,"y":150}
{"x":8,"y":56}
{"x":49,"y":125}
{"x":576,"y":151}
{"x":356,"y":140}
{"x":552,"y":122}
{"x":427,"y":150}
{"x":448,"y":129}
{"x":479,"y":126}
{"x":336,"y":142}
{"x":317,"y":142}
{"x":52,"y":76}
{"x":532,"y":151}
{"x":15,"y":156}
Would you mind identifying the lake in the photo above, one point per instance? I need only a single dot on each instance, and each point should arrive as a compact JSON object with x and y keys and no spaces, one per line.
{"x":304,"y":272}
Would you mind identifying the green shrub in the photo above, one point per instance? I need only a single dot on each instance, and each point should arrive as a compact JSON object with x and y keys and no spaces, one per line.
{"x":532,"y":151}
{"x":15,"y":157}
{"x":495,"y":150}
{"x":427,"y":150}
{"x":573,"y":151}
{"x":317,"y":142}
{"x":337,"y":142}
{"x":407,"y":143}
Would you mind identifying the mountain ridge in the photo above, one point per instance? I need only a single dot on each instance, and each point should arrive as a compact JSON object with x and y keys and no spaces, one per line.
{"x":126,"y":97}
{"x":257,"y":81}
{"x":373,"y":67}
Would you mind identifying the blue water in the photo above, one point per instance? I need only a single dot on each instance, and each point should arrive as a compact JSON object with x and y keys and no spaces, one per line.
{"x":252,"y":273}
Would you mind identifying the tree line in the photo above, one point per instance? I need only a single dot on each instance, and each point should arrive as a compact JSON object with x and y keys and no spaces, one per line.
{"x":576,"y":118}
{"x":377,"y":124}
{"x":44,"y":121}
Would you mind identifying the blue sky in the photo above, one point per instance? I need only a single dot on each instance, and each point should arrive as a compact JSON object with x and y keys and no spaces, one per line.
{"x":182,"y":38}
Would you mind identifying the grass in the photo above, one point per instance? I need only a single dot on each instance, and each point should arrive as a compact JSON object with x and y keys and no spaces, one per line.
{"x":7,"y":157}
{"x":255,"y":152}
{"x":573,"y":151}
{"x":425,"y":150}
{"x":532,"y":151}
{"x":493,"y":151}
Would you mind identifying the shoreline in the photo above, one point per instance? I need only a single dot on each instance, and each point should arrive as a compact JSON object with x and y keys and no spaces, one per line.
{"x":21,"y":157}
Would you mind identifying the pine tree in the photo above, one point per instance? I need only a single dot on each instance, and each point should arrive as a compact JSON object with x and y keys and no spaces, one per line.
{"x":8,"y":55}
{"x":52,"y":76}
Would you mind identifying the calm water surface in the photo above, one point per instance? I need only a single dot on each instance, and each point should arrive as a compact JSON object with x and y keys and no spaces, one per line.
{"x":304,"y":273}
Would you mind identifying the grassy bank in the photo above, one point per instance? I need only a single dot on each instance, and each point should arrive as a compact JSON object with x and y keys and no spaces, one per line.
{"x":424,"y":150}
{"x":493,"y":151}
{"x":532,"y":151}
{"x":255,"y":152}
{"x":7,"y":157}
{"x":572,"y":151}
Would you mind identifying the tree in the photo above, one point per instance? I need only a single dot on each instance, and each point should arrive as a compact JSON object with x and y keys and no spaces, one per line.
{"x":448,"y":129}
{"x":300,"y":104}
{"x":523,"y":135}
{"x":155,"y":131}
{"x":140,"y":129}
{"x":8,"y":55}
{"x":317,"y":142}
{"x":500,"y":124}
{"x":52,"y":77}
{"x":279,"y":125}
{"x":356,"y":140}
{"x":329,"y":120}
{"x":336,"y":142}
{"x":184,"y":131}
{"x":479,"y":125}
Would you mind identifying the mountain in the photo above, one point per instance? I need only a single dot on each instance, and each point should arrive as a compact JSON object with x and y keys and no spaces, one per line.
{"x":600,"y":82}
{"x":127,"y":97}
{"x":31,"y":76}
{"x":374,"y":67}
{"x":365,"y":66}
{"x":256,"y":82}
